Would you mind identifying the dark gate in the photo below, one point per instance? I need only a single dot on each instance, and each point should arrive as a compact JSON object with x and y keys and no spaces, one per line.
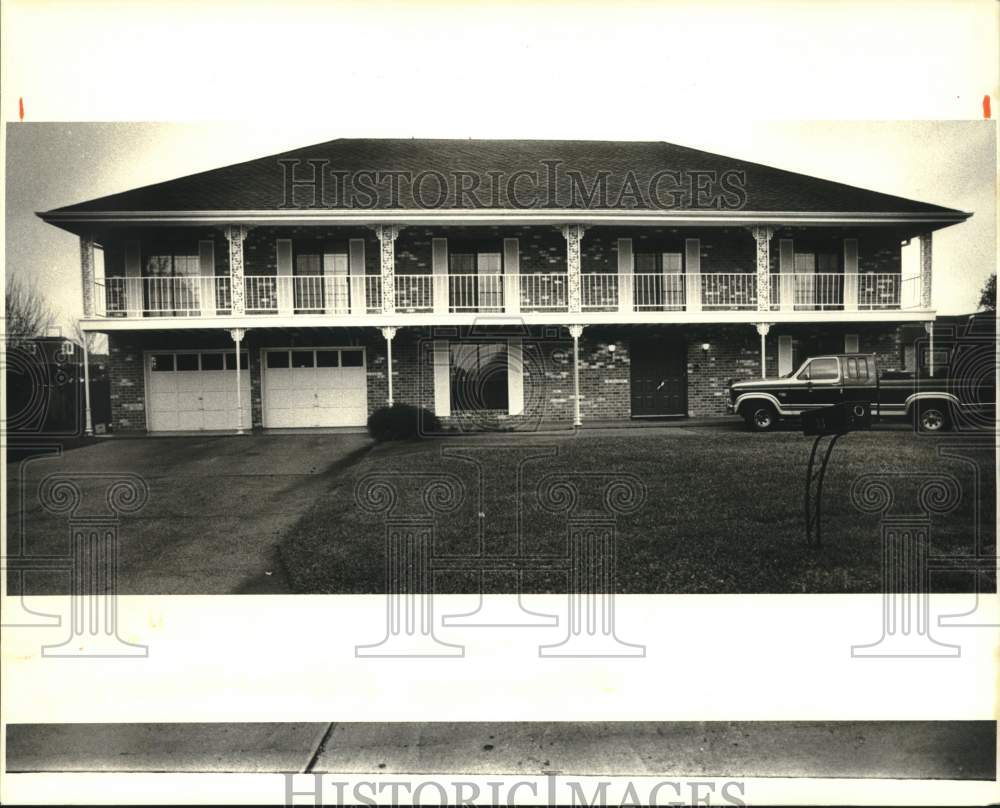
{"x":658,"y":377}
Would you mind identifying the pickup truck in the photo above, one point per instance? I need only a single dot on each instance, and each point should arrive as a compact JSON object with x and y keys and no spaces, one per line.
{"x":930,"y":401}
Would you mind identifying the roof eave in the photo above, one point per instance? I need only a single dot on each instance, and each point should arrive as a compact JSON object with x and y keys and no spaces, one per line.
{"x":936,"y":219}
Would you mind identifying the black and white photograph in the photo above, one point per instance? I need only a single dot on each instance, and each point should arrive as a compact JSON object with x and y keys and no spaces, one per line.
{"x":455,"y":423}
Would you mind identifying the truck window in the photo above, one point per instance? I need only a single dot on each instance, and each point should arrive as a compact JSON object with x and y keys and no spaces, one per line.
{"x":822,"y":370}
{"x":863,"y":369}
{"x":852,"y":368}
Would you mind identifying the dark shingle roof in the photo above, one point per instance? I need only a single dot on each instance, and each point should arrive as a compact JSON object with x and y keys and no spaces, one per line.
{"x":259,"y":185}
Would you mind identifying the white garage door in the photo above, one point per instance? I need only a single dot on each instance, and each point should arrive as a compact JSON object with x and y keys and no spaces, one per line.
{"x":191,"y":390}
{"x":315,"y":387}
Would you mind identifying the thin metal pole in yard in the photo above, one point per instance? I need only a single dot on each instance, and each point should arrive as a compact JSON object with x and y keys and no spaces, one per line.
{"x":88,"y":423}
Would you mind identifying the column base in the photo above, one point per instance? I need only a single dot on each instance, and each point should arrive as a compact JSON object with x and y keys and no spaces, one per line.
{"x":592,"y":645}
{"x":101,"y":645}
{"x":906,"y":645}
{"x":410,"y":645}
{"x":500,"y":611}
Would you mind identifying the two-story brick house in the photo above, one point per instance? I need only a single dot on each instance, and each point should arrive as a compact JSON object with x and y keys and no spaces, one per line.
{"x":501,"y":281}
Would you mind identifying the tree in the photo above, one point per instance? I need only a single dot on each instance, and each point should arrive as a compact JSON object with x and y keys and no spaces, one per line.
{"x":988,"y":295}
{"x":26,"y":311}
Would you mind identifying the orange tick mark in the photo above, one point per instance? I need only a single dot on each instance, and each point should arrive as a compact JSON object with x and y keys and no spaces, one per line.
{"x":986,"y":107}
{"x":20,"y":108}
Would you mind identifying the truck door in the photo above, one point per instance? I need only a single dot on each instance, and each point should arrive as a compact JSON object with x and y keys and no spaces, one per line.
{"x":818,"y":384}
{"x":858,"y":374}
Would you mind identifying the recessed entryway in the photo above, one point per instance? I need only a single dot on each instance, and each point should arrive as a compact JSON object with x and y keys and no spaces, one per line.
{"x":658,"y":377}
{"x":305,"y":387}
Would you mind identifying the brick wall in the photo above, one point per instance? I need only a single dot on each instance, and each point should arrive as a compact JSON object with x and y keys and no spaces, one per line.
{"x":733,"y":354}
{"x":541,"y":249}
{"x":128,"y":387}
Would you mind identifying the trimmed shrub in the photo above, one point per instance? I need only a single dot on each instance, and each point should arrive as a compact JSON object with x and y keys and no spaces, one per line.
{"x":402,"y":422}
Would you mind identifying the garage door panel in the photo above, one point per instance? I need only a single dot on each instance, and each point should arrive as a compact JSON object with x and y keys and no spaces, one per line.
{"x":315,"y":396}
{"x":188,"y":381}
{"x":164,"y":422}
{"x":188,"y":401}
{"x":196,"y":399}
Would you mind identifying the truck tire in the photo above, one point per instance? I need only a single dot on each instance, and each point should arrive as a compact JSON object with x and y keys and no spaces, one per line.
{"x":930,"y":417}
{"x":760,"y":416}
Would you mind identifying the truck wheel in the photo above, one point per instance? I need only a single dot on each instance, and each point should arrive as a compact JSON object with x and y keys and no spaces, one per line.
{"x":930,"y":417}
{"x":760,"y":417}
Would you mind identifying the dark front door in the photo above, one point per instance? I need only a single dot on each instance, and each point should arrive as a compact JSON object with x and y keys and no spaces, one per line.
{"x":659,"y":377}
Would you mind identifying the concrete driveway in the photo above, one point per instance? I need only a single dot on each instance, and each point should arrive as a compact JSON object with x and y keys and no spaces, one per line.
{"x":218,"y":507}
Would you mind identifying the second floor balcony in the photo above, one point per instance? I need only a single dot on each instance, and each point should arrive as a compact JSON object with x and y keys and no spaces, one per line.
{"x":347,"y":297}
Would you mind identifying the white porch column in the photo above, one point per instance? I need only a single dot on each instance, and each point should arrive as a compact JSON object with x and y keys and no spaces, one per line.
{"x":238,"y":334}
{"x":929,"y":328}
{"x":235,"y":234}
{"x":88,"y":421}
{"x":87,"y":274}
{"x":762,"y":235}
{"x":576,"y":331}
{"x":926,"y":269}
{"x":389,"y":332}
{"x":387,"y":234}
{"x":573,"y":234}
{"x":763,"y":329}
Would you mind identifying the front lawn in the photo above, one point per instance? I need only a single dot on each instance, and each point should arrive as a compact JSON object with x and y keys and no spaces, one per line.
{"x":723,"y":512}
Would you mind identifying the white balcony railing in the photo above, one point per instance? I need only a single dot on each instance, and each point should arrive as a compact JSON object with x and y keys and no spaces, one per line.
{"x":211,"y":296}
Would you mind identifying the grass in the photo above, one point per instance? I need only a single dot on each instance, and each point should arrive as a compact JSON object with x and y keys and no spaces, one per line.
{"x":723,"y":513}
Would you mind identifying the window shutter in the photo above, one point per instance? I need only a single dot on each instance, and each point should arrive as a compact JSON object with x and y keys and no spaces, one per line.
{"x":850,"y":274}
{"x":439,"y":269}
{"x":786,"y":272}
{"x":515,"y":376}
{"x":359,"y":300}
{"x":284,"y":280}
{"x":692,"y":260}
{"x":784,"y":355}
{"x":133,"y":279}
{"x":512,"y":275}
{"x":442,"y":378}
{"x":625,"y":263}
{"x":206,"y":268}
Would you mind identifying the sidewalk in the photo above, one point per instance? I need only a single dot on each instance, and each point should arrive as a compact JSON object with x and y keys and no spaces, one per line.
{"x":960,"y":750}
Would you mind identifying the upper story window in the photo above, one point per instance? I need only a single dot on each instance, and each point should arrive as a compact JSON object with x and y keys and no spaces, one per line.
{"x":316,"y":262}
{"x":475,"y":263}
{"x":669,"y":263}
{"x":810,"y":262}
{"x":167,"y":265}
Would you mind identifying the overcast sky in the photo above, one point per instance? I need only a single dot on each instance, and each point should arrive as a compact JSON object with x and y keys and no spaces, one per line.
{"x":945,"y":163}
